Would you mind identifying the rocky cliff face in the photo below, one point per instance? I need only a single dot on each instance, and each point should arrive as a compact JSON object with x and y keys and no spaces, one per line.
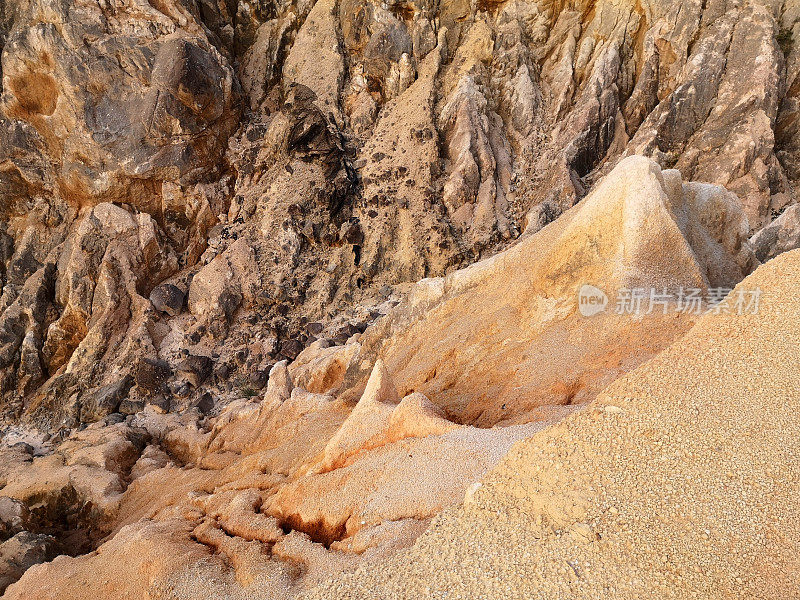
{"x":213,"y":216}
{"x":281,"y":163}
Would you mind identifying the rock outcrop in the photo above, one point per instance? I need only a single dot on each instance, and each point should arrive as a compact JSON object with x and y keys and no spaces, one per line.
{"x":150,"y":98}
{"x":324,"y":472}
{"x":503,"y":340}
{"x":781,"y":235}
{"x":287,"y":164}
{"x":282,"y":282}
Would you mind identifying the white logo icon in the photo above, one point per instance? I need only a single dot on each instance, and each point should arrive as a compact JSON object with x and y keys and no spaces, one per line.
{"x":591,"y":300}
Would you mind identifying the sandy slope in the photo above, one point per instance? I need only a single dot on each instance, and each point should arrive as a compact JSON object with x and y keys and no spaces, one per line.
{"x":681,"y":481}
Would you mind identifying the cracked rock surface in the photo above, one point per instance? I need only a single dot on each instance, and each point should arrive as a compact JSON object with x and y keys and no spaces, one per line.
{"x":282,"y":281}
{"x":211,"y":177}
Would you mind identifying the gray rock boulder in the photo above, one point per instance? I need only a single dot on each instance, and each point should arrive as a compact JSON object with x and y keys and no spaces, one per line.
{"x":780,"y":236}
{"x":105,"y":400}
{"x":168,"y":298}
{"x":21,"y":552}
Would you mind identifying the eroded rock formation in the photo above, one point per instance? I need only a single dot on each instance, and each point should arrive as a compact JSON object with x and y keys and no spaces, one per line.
{"x":285,"y":163}
{"x":328,"y":472}
{"x":242,"y":348}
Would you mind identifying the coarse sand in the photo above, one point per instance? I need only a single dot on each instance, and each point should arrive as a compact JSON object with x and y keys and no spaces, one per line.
{"x":681,"y":481}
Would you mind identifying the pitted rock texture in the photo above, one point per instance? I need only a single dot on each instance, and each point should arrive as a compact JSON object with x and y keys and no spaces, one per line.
{"x":511,"y":322}
{"x":240,"y":323}
{"x":281,"y":164}
{"x":324,"y":473}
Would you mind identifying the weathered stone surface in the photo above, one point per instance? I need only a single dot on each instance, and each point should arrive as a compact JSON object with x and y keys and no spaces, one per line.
{"x":780,"y":236}
{"x":21,"y":552}
{"x":512,"y":321}
{"x":243,"y":188}
{"x":168,"y":298}
{"x":195,"y":369}
{"x":378,"y":145}
{"x":220,"y":288}
{"x":111,"y":128}
{"x":151,"y":374}
{"x":105,"y":400}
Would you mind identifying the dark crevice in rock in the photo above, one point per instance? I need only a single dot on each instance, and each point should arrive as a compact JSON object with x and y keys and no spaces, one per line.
{"x":319,"y":532}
